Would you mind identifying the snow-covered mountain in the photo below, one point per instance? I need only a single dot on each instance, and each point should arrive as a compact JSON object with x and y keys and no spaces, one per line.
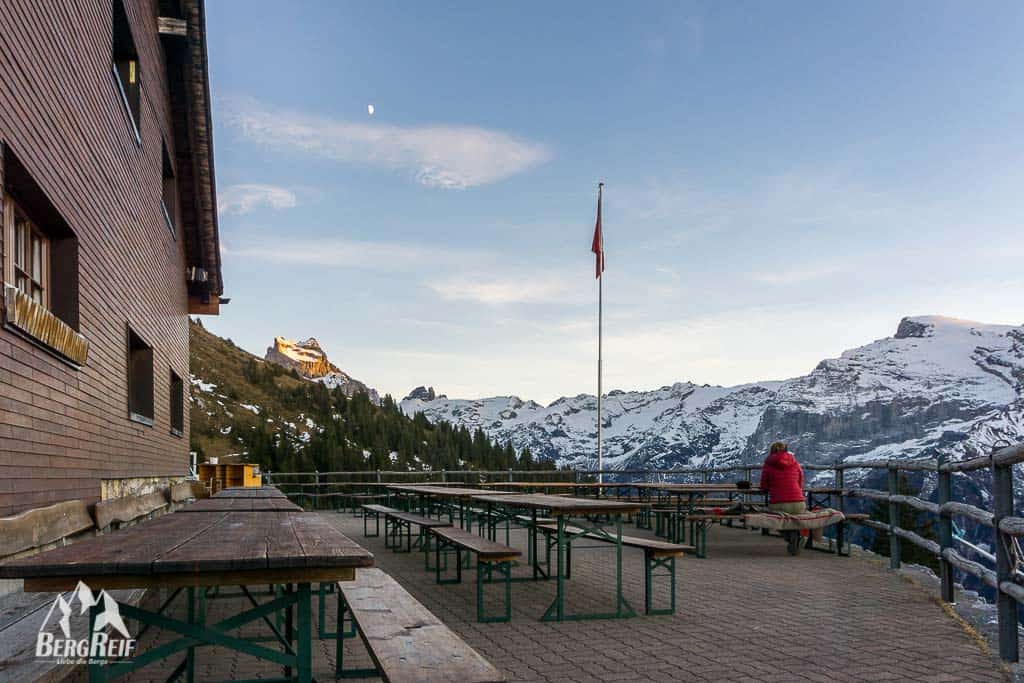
{"x":310,"y":360}
{"x":939,"y":385}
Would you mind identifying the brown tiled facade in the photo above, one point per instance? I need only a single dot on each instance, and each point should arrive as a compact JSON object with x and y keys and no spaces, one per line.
{"x":66,"y":129}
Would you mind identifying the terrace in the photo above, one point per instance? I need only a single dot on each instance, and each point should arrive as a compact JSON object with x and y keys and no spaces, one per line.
{"x":747,"y":611}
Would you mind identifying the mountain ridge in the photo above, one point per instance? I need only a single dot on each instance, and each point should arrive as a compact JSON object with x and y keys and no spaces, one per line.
{"x":939,"y":384}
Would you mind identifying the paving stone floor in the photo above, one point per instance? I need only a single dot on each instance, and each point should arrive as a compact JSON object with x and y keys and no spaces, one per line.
{"x":749,"y":612}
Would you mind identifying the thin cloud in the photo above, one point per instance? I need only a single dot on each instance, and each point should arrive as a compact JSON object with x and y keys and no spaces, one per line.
{"x":354,"y":254}
{"x":449,"y":157}
{"x":244,"y":198}
{"x":500,"y":291}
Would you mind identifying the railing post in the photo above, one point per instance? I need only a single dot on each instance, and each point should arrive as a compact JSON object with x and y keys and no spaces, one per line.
{"x":378,"y":476}
{"x":510,"y":474}
{"x":704,"y":476}
{"x":945,"y":493}
{"x":1002,"y":485}
{"x":839,"y":478}
{"x":894,"y":516}
{"x":316,"y":490}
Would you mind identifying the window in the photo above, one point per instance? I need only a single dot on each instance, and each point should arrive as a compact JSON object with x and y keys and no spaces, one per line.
{"x":30,"y":254}
{"x":40,"y":255}
{"x":169,"y":197}
{"x":140,"y":379}
{"x":177,"y":405}
{"x":126,"y":66}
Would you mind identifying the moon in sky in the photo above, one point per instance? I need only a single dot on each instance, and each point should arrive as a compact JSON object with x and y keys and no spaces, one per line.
{"x":369,"y":109}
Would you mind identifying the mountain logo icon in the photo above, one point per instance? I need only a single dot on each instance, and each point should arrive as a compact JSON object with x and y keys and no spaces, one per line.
{"x":110,"y":616}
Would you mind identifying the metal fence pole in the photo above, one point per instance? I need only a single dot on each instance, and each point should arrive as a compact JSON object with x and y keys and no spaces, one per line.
{"x":1002,"y":485}
{"x":444,"y":475}
{"x":510,"y":474}
{"x":316,"y":489}
{"x":894,"y":517}
{"x":945,"y":493}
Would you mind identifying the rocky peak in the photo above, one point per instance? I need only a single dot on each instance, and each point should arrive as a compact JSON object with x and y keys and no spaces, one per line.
{"x":911,"y":327}
{"x":422,"y":393}
{"x":310,"y":361}
{"x":306,"y":357}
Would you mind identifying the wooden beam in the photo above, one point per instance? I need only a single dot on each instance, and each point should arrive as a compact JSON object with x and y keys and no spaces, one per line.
{"x":40,"y":526}
{"x":169,"y":26}
{"x":197,"y":307}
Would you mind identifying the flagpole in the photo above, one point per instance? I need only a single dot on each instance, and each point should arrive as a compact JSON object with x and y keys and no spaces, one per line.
{"x":600,"y":331}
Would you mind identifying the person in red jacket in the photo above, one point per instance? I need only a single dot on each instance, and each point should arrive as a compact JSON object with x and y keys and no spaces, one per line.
{"x":783,"y":479}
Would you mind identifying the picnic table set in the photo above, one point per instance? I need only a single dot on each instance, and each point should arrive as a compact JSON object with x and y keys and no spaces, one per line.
{"x":558,"y":519}
{"x":239,"y":537}
{"x":255,"y":536}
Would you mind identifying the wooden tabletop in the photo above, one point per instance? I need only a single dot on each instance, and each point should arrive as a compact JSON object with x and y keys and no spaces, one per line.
{"x":553,"y":485}
{"x":559,"y":505}
{"x":250,"y":492}
{"x":698,"y":488}
{"x":201,"y":549}
{"x":235,"y":504}
{"x":443,"y":491}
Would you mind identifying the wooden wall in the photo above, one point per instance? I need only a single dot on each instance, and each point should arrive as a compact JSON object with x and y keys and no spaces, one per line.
{"x":61,"y":429}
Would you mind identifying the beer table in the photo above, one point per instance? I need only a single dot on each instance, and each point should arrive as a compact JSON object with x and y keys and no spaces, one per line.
{"x":250,"y":492}
{"x":460,"y":495}
{"x":693,"y":493}
{"x":235,"y":504}
{"x":576,"y":488}
{"x":186,"y":552}
{"x":587,"y":515}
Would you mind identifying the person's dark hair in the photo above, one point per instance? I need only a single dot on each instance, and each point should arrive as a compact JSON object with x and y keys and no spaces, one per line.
{"x":779,"y":447}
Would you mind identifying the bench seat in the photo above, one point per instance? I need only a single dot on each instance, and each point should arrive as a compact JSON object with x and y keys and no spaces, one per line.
{"x":404,"y":639}
{"x":375,"y":511}
{"x":492,"y":558}
{"x":399,"y":524}
{"x":658,"y":555}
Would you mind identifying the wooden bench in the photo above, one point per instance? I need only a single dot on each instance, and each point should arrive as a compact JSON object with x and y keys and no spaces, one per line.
{"x":657,"y":555}
{"x":128,"y":510}
{"x":398,"y":524}
{"x":24,"y":615}
{"x":491,"y":558}
{"x":187,"y":491}
{"x":376,"y":511}
{"x":842,"y":531}
{"x":406,"y":642}
{"x":356,"y":500}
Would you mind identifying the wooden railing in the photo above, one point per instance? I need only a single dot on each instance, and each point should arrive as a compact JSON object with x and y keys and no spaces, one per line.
{"x":1006,"y":579}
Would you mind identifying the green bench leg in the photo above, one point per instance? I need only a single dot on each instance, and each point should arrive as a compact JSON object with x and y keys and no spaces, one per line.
{"x":442,"y":546}
{"x":652,"y":563}
{"x":485,"y":574}
{"x":339,"y":647}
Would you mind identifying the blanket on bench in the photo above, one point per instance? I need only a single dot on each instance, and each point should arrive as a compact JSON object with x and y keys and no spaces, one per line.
{"x":780,"y":521}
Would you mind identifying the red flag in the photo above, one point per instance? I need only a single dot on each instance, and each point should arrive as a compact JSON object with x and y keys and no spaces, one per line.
{"x":598,"y":246}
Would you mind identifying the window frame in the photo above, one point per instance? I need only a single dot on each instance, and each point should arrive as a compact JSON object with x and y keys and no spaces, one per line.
{"x":133,"y":414}
{"x":169,"y":192}
{"x":177,"y":407}
{"x":15,"y":217}
{"x":134,"y":63}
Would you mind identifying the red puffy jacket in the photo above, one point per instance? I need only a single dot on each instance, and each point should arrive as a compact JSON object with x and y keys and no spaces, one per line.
{"x":783,"y":478}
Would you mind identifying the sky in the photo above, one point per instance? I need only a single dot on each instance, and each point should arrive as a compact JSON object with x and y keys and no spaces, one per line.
{"x":783,"y":182}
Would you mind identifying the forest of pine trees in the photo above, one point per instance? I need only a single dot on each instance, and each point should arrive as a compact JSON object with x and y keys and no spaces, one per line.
{"x":354,"y":434}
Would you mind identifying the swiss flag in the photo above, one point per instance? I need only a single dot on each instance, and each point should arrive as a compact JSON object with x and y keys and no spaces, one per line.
{"x":598,"y":246}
